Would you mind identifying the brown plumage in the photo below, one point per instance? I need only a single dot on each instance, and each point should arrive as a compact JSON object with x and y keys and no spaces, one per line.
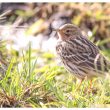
{"x":79,"y":55}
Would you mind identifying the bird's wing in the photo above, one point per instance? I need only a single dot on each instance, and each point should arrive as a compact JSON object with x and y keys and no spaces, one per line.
{"x":84,"y":54}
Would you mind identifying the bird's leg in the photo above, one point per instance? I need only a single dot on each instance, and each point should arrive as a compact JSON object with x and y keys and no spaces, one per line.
{"x":91,"y":84}
{"x":80,"y":82}
{"x":90,"y":87}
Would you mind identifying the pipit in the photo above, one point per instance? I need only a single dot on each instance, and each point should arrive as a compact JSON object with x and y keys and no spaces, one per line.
{"x":80,"y":56}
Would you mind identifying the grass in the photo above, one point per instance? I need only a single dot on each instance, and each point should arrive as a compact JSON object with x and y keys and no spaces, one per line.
{"x":28,"y":83}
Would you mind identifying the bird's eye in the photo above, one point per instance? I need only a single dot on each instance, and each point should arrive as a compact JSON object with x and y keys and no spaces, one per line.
{"x":67,"y":31}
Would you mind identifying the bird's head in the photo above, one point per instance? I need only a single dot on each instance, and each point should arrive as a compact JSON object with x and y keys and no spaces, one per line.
{"x":68,"y":31}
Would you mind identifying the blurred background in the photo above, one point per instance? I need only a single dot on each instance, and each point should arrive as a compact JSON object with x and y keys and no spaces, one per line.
{"x":36,"y":21}
{"x":27,"y":48}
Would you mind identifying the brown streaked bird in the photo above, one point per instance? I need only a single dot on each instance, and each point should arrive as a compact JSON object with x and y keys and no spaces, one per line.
{"x":79,"y":55}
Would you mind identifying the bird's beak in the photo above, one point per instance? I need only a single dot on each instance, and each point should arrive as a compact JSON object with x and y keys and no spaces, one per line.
{"x":59,"y":32}
{"x":56,"y":30}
